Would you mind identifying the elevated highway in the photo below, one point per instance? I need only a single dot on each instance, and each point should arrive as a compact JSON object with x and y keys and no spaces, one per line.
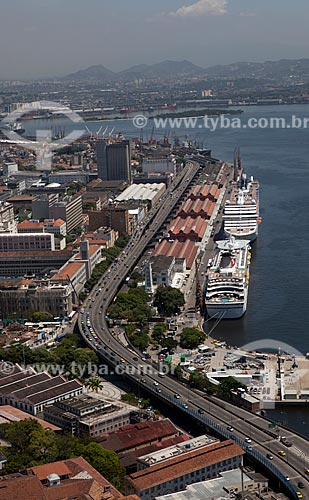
{"x":225,"y":419}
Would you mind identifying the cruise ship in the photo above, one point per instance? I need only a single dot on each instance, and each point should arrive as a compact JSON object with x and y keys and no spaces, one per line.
{"x":228,"y":280}
{"x":241,"y":211}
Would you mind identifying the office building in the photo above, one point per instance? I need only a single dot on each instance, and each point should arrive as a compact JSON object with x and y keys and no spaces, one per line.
{"x":41,"y":205}
{"x":56,"y":227}
{"x":27,"y":242}
{"x":116,"y":217}
{"x":38,"y":263}
{"x":68,"y":177}
{"x":6,"y":212}
{"x":69,"y":209}
{"x":114,"y":161}
{"x":9,"y":169}
{"x":85,"y":415}
{"x":7,"y":221}
{"x":24,"y":297}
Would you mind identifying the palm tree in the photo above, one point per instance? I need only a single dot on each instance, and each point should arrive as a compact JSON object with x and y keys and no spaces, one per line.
{"x":94,"y":384}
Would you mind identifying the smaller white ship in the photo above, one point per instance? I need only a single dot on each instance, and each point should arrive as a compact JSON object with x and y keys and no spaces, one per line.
{"x":228,"y":280}
{"x":241,"y":210}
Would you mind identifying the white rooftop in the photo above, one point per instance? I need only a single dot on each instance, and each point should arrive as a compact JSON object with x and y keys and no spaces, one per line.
{"x":178,"y":449}
{"x":213,"y":488}
{"x":141,"y":192}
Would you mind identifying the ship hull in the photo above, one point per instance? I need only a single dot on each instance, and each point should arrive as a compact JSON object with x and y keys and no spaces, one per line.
{"x":216,"y":311}
{"x":227,"y":309}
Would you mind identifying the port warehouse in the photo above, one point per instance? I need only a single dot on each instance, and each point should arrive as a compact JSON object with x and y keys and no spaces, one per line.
{"x":176,"y":252}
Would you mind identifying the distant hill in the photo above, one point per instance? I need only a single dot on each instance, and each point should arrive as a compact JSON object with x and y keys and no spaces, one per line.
{"x":284,"y":68}
{"x":164,"y":70}
{"x":272,"y":70}
{"x":97,"y":72}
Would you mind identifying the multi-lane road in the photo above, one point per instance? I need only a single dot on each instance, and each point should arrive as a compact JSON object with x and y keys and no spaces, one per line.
{"x":249,"y":430}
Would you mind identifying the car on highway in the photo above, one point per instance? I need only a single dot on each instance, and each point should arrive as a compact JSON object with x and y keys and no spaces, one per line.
{"x":249,"y":448}
{"x":301,"y":485}
{"x":200,"y":411}
{"x":269,"y":456}
{"x":281,"y":453}
{"x":176,"y":396}
{"x":158,"y":389}
{"x":184,"y":405}
{"x":307,"y":472}
{"x":299,"y":494}
{"x":248,"y":440}
{"x":230,"y":428}
{"x":155,"y":383}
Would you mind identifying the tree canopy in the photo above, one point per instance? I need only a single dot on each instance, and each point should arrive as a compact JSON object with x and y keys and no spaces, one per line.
{"x":192,"y":337}
{"x":32,"y":445}
{"x":168,"y":300}
{"x":68,"y":354}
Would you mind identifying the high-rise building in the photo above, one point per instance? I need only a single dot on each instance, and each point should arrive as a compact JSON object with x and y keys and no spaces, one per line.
{"x":114,"y":161}
{"x":69,"y":209}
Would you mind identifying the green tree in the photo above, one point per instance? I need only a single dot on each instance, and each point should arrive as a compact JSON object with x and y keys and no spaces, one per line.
{"x":197,"y":380}
{"x":158,"y":332}
{"x":106,"y":462}
{"x":192,"y":337}
{"x":94,"y":384}
{"x":19,"y":434}
{"x":42,"y":446}
{"x":227,"y":385}
{"x":39,"y":316}
{"x":170,"y":343}
{"x":129,"y":398}
{"x":168,"y":300}
{"x":140,"y":340}
{"x":178,"y":372}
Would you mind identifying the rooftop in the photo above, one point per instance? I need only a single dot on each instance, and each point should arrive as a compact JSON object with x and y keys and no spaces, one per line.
{"x":184,"y":464}
{"x":178,"y":249}
{"x":141,"y":191}
{"x":9,"y":414}
{"x":161,"y":262}
{"x":68,"y":270}
{"x":30,"y":224}
{"x":130,"y":436}
{"x":178,"y":449}
{"x":210,"y":489}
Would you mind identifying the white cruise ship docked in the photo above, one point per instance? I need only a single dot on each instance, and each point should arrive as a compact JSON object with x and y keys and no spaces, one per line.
{"x":228,"y":280}
{"x":241,"y":211}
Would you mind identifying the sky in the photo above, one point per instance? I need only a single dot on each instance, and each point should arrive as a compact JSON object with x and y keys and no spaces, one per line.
{"x":42,"y":38}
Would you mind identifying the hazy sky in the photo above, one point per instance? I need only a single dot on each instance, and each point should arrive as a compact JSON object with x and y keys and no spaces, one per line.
{"x":56,"y":37}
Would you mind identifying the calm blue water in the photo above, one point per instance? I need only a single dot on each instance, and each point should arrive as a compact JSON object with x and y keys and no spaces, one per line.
{"x":278,"y":297}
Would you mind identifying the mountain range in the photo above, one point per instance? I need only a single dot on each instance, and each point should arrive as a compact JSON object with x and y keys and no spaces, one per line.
{"x":273,"y":70}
